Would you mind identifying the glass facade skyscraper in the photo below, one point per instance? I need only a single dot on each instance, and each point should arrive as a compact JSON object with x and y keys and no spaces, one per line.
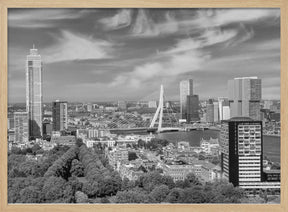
{"x":192,"y":108}
{"x":245,"y":96}
{"x":186,"y":89}
{"x":59,"y":115}
{"x":34,"y":93}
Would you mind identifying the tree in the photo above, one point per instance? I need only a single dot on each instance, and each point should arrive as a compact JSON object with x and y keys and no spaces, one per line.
{"x":29,"y":168}
{"x":77,"y":168}
{"x":15,"y":173}
{"x":105,"y":200}
{"x":79,"y":142}
{"x":75,"y":184}
{"x":30,"y":194}
{"x":141,"y":143}
{"x":229,"y":193}
{"x":61,"y":167}
{"x":192,"y":179}
{"x":124,"y":184}
{"x":15,"y":185}
{"x":175,"y":195}
{"x":35,"y":148}
{"x":91,"y":188}
{"x":109,"y":186}
{"x":159,"y":193}
{"x":81,"y":197}
{"x":192,"y":195}
{"x":149,"y":180}
{"x":15,"y":160}
{"x":180,"y":184}
{"x":57,"y":190}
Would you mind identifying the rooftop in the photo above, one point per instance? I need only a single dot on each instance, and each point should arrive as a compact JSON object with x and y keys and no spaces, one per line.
{"x":254,"y":77}
{"x":240,"y":119}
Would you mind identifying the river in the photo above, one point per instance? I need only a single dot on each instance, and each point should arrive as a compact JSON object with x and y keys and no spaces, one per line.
{"x":271,"y":146}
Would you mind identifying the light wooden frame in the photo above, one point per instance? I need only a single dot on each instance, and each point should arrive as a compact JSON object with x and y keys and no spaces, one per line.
{"x":282,"y":4}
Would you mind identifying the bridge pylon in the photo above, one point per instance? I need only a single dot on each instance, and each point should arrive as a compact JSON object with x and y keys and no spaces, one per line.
{"x":159,"y":111}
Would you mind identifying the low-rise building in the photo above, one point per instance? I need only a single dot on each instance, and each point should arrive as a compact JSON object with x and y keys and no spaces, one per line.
{"x":130,"y":171}
{"x":117,"y":155}
{"x":68,"y":140}
{"x":178,"y":172}
{"x":210,"y":172}
{"x":209,"y":146}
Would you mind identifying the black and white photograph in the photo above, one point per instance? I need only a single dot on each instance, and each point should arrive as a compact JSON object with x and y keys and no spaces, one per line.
{"x":143,"y":106}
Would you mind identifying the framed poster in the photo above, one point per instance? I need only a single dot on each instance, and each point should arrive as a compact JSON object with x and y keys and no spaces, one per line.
{"x":143,"y":105}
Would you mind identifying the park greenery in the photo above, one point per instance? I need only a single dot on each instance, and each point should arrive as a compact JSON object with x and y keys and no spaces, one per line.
{"x":79,"y":174}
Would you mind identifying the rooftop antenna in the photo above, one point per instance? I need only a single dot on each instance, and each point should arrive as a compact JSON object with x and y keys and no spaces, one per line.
{"x":33,"y":46}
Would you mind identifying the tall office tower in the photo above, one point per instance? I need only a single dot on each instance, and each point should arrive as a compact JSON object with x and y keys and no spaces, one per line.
{"x":210,"y":111}
{"x":241,"y":150}
{"x":192,"y":108}
{"x":186,"y":89}
{"x":226,"y":113}
{"x":34,"y":93}
{"x":245,"y":97}
{"x":59,"y":115}
{"x":216,"y":111}
{"x":223,"y":101}
{"x":21,"y":123}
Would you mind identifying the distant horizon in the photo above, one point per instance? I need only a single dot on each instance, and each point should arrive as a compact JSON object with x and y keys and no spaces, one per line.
{"x":115,"y":101}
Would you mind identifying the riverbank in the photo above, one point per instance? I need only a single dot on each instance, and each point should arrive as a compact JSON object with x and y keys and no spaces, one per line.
{"x":271,"y":143}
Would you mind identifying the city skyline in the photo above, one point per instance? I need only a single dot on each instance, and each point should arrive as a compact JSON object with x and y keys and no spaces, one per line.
{"x":153,"y":150}
{"x":129,"y":53}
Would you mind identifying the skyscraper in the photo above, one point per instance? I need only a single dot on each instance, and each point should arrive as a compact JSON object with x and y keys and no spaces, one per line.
{"x":186,"y":89}
{"x":242,"y":150}
{"x":34,"y":93}
{"x":210,"y":111}
{"x":21,"y":127}
{"x":216,"y":111}
{"x":245,"y":97}
{"x":192,"y":108}
{"x":59,"y":115}
{"x":226,"y":113}
{"x":223,"y":101}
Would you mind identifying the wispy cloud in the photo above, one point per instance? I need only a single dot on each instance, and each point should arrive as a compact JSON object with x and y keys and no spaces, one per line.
{"x":220,"y":17}
{"x":118,"y":21}
{"x":147,"y":26}
{"x":172,"y":66}
{"x":77,"y":47}
{"x":184,"y":57}
{"x":41,"y":18}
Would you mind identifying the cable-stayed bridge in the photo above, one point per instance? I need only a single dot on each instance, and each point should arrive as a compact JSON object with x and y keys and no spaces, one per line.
{"x":165,"y":119}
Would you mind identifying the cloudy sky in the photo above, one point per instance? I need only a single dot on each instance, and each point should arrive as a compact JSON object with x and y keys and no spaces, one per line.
{"x":113,"y":54}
